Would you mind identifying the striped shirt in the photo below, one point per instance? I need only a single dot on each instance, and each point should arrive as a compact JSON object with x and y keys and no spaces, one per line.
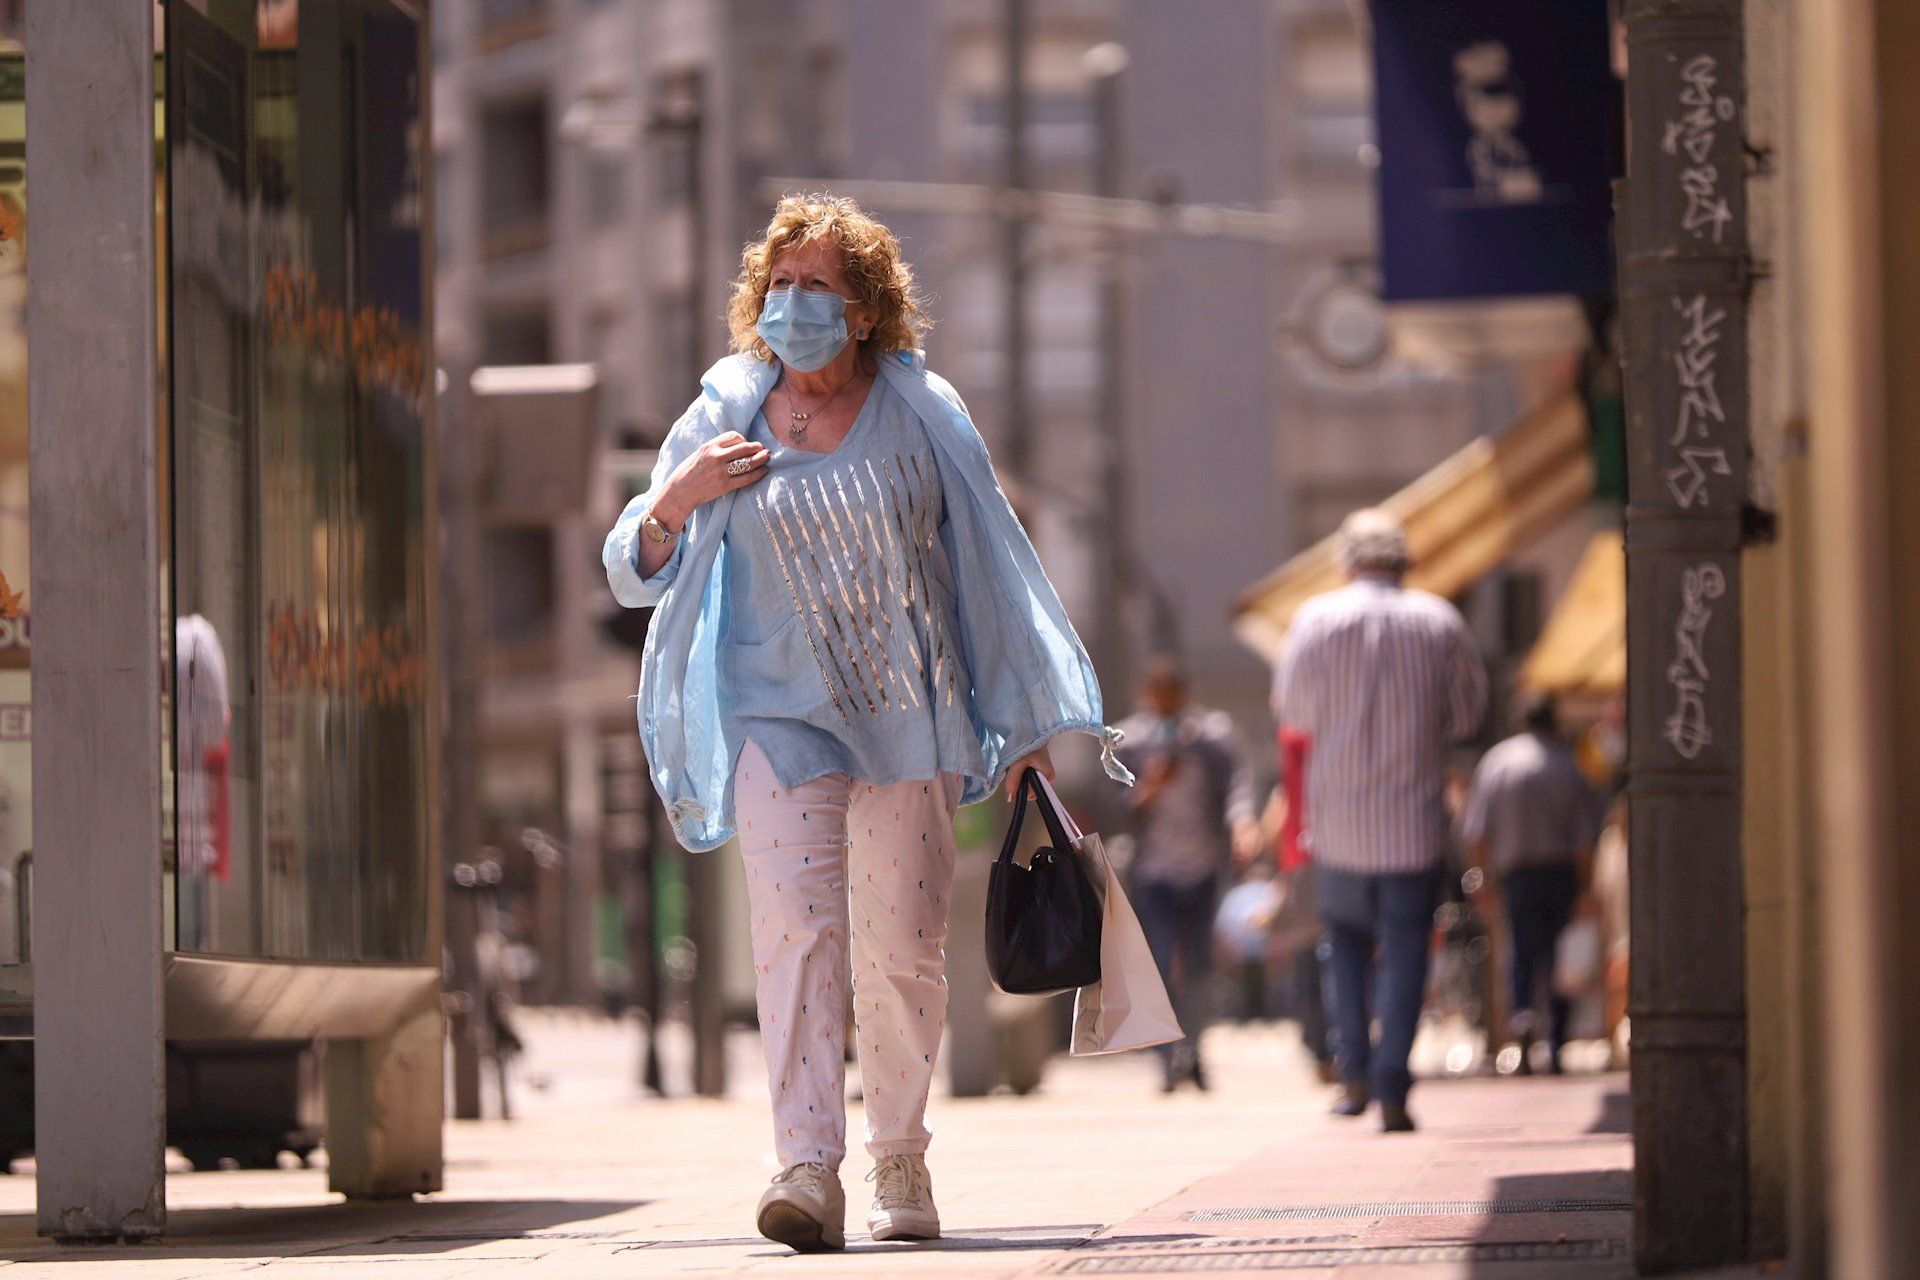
{"x":1382,"y":680}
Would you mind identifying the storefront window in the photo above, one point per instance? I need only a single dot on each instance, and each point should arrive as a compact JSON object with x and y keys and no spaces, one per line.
{"x":300,"y":561}
{"x":16,"y":604}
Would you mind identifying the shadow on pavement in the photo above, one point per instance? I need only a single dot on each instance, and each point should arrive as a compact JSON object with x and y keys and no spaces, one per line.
{"x":1616,"y":1114}
{"x":1556,"y":1226}
{"x":971,"y":1240}
{"x":341,"y":1230}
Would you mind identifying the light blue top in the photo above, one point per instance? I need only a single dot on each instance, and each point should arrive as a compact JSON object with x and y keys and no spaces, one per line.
{"x":1030,"y":676}
{"x":840,"y":654}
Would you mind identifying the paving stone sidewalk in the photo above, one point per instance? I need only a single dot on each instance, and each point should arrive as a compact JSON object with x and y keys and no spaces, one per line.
{"x":1095,"y":1174}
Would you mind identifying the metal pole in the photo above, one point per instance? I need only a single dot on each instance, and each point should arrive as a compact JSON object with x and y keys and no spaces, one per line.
{"x":1014,"y":235}
{"x":98,"y":934}
{"x":643,"y":950}
{"x":702,"y":870}
{"x":1684,"y":281}
{"x":460,"y":829}
{"x":1107,"y":64}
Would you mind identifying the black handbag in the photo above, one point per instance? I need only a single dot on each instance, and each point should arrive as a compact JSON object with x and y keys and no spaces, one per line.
{"x":1043,"y":919}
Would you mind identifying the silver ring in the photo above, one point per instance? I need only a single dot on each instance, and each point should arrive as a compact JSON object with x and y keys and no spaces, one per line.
{"x":739,"y":467}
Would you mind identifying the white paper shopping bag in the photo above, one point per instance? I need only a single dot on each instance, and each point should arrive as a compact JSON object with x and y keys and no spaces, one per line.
{"x":1128,"y":1008}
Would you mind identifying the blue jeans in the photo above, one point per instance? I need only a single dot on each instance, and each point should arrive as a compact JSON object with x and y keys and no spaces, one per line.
{"x":1310,"y":987}
{"x":1178,"y":922}
{"x":1393,"y":916}
{"x":1539,"y":904}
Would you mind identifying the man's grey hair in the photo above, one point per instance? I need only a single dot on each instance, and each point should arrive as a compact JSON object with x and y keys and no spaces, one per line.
{"x":1373,"y":541}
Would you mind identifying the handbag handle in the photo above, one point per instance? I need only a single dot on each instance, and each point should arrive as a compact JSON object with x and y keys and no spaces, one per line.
{"x":1033,"y":785}
{"x":1074,"y":835}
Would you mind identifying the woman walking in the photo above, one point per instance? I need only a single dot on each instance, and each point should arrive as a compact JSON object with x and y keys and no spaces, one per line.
{"x":854,"y":636}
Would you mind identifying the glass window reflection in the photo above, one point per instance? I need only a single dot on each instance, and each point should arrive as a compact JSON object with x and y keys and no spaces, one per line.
{"x":299,"y":453}
{"x":16,"y":604}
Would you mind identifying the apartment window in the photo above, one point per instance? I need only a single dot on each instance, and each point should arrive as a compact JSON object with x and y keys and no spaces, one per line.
{"x":1333,"y":103}
{"x":520,"y":590}
{"x":602,"y":347}
{"x":521,"y":336}
{"x":1522,"y":609}
{"x":603,"y":333}
{"x":676,"y":138}
{"x":445,"y":202}
{"x":829,"y":112}
{"x":501,"y":23}
{"x":606,"y":189}
{"x":517,"y":157}
{"x":500,"y":12}
{"x":1060,"y":126}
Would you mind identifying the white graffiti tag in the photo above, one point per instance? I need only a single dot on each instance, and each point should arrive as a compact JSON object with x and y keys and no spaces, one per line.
{"x":1691,"y":136}
{"x":1688,"y":481}
{"x":1688,"y":729}
{"x":1695,"y":357}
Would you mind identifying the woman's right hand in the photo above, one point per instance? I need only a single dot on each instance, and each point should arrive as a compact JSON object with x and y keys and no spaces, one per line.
{"x":704,"y":476}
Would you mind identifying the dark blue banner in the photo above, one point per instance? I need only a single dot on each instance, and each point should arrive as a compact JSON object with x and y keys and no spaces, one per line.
{"x":1499,"y":123}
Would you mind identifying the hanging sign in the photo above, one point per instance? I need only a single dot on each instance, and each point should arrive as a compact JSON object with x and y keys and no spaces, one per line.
{"x":1498,"y":125}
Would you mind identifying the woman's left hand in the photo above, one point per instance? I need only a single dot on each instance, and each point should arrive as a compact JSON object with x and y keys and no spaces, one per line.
{"x":1040,"y":761}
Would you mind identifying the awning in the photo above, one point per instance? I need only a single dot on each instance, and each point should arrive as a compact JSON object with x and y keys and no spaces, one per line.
{"x":1463,"y":518}
{"x":1583,"y":650}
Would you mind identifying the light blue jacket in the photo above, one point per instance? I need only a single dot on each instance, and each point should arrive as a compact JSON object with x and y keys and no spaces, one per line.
{"x":1032,"y":679}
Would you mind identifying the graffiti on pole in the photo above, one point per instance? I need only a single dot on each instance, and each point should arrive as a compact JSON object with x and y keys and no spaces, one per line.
{"x":1701,"y":415}
{"x":1688,"y":727}
{"x":1691,"y":135}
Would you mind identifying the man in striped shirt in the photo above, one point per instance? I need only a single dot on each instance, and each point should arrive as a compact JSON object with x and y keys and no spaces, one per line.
{"x":1382,"y":680}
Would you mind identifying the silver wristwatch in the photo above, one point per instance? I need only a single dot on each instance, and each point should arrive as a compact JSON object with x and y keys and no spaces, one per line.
{"x":655,"y":531}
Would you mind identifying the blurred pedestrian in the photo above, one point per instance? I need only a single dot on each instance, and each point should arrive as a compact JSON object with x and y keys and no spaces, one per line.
{"x":1243,"y":930}
{"x":1610,"y":896}
{"x":877,"y":645}
{"x":1529,"y":825}
{"x":1302,"y":932}
{"x":1194,"y":795}
{"x":1381,"y":679}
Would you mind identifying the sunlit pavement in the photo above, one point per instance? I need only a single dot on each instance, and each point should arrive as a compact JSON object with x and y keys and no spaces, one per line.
{"x":1096,"y":1173}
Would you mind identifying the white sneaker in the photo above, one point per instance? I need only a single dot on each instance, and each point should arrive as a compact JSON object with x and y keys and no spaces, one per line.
{"x":805,"y":1209}
{"x":903,"y":1200}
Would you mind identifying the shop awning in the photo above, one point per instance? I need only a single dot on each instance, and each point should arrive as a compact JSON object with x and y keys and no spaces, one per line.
{"x":1583,"y":650}
{"x":1463,"y":517}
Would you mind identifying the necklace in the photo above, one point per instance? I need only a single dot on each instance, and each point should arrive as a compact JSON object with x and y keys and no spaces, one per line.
{"x":798,"y":422}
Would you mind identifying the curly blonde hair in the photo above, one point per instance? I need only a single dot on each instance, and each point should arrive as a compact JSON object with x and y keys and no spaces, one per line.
{"x":869,"y":253}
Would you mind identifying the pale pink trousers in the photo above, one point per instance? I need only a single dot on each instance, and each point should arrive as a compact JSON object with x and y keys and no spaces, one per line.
{"x":803,"y":848}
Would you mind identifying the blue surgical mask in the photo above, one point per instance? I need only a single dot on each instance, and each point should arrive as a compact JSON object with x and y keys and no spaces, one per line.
{"x":804,"y":327}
